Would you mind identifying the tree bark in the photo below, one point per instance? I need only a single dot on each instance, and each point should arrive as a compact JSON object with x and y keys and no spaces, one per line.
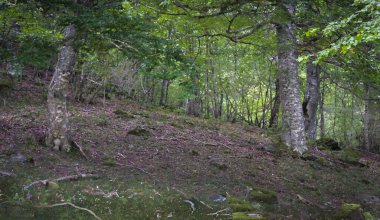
{"x":58,"y":134}
{"x":371,"y":119}
{"x":366,"y":119}
{"x":164,"y":92}
{"x":321,"y":112}
{"x":292,"y":117}
{"x":310,"y":102}
{"x":374,"y":119}
{"x":273,"y":121}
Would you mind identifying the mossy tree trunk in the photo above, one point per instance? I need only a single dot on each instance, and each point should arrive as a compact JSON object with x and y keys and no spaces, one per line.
{"x":58,"y":134}
{"x":292,"y":117}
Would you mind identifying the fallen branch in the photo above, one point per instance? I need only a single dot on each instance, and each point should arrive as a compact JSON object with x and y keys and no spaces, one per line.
{"x":76,"y":145}
{"x":185,"y":195}
{"x":218,"y":212}
{"x":72,"y":205}
{"x":192,"y":205}
{"x":71,"y":177}
{"x":3,"y":173}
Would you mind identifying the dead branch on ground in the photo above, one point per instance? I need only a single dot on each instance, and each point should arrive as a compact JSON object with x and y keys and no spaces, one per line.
{"x":72,"y":205}
{"x":76,"y":145}
{"x":71,"y":178}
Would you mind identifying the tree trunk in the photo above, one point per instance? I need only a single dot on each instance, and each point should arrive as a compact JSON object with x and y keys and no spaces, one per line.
{"x":310,"y":102}
{"x":374,"y":119}
{"x":371,"y":123}
{"x":292,"y":117}
{"x":164,"y":88}
{"x":58,"y":134}
{"x":321,"y":112}
{"x":273,"y":121}
{"x":366,"y":119}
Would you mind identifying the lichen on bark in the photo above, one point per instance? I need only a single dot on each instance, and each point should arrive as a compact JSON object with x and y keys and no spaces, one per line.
{"x":292,"y":117}
{"x":58,"y":134}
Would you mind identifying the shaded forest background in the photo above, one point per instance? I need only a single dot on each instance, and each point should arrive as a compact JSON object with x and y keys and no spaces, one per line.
{"x":232,"y":60}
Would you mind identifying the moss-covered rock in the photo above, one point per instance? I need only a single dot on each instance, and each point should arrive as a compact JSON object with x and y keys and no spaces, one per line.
{"x":123,"y":114}
{"x":328,"y":143}
{"x":263,"y":195}
{"x":368,"y":216}
{"x":349,"y":211}
{"x":247,"y":216}
{"x":239,"y":205}
{"x":139,"y":131}
{"x":351,"y":156}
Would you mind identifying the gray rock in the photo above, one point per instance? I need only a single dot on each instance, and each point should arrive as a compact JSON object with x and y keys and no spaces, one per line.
{"x":370,"y":199}
{"x":217,"y":198}
{"x":18,"y":158}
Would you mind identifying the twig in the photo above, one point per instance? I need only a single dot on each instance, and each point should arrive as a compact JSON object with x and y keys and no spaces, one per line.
{"x":76,"y":177}
{"x":192,"y":205}
{"x":185,"y":195}
{"x":75,"y":144}
{"x":72,"y":205}
{"x":3,"y":173}
{"x":208,"y":206}
{"x":72,"y":177}
{"x":217,"y":213}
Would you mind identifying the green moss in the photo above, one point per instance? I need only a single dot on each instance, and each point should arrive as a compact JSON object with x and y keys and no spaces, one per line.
{"x":123,"y":114}
{"x":322,"y":161}
{"x":247,"y":216}
{"x":328,"y":144}
{"x":177,"y":125}
{"x":109,"y":162}
{"x":368,"y":216}
{"x":350,"y":154}
{"x":263,"y":195}
{"x":5,"y":83}
{"x":239,"y":205}
{"x":101,"y":121}
{"x":144,"y":114}
{"x":139,"y":131}
{"x":346,"y":209}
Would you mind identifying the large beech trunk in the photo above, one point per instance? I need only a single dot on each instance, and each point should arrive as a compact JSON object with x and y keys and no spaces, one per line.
{"x":310,"y":102}
{"x":58,"y":134}
{"x":292,"y":117}
{"x":371,"y":124}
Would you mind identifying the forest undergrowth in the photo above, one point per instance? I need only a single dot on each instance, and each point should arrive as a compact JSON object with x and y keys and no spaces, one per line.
{"x":144,"y":162}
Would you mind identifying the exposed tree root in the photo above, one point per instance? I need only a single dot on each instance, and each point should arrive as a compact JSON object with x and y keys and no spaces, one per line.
{"x":72,"y":205}
{"x":77,"y":146}
{"x":71,"y":177}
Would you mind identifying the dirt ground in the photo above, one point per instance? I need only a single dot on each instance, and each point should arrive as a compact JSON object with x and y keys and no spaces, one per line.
{"x":168,"y":159}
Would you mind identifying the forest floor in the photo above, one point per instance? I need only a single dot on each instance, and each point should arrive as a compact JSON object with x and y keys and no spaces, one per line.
{"x":152,"y":163}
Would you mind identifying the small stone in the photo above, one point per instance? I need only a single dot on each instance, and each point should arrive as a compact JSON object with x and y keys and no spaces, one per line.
{"x":217,"y":198}
{"x":19,"y":158}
